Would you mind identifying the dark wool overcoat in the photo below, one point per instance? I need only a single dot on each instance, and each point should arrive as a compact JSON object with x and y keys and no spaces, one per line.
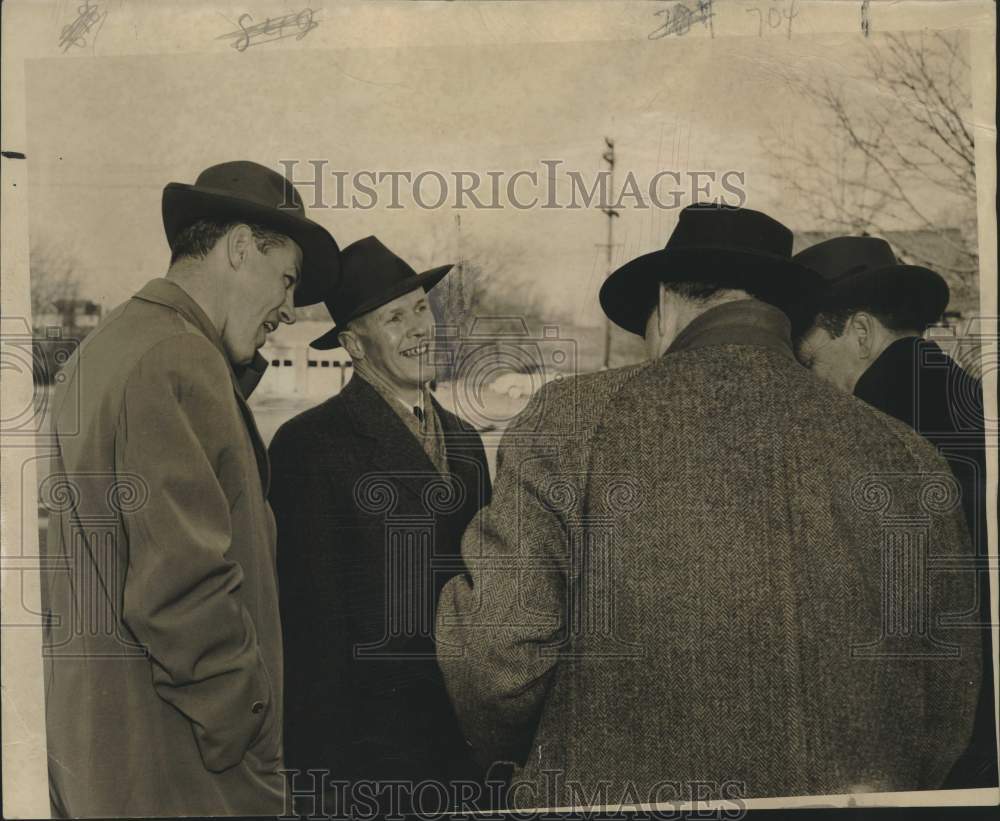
{"x":713,"y":568}
{"x":162,"y":641}
{"x":915,"y":381}
{"x":368,"y":533}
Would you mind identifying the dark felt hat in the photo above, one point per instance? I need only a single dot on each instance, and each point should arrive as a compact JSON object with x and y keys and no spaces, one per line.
{"x":244,"y":190}
{"x":371,"y":276}
{"x":864,"y":272}
{"x":719,"y":245}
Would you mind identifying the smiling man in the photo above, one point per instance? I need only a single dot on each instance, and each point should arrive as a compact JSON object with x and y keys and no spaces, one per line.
{"x":372,"y":491}
{"x":164,"y":691}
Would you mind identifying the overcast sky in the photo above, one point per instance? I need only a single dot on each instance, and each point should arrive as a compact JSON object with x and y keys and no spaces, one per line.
{"x":106,"y":134}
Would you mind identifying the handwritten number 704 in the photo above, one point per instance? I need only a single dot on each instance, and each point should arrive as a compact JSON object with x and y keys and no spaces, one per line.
{"x":775,"y":17}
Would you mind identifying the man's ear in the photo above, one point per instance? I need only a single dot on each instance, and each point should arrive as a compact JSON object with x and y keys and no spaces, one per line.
{"x":661,"y":309}
{"x":862,"y":325}
{"x":351,"y":343}
{"x":238,"y":242}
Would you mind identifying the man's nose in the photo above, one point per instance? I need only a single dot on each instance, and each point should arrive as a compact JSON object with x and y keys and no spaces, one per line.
{"x":286,"y":313}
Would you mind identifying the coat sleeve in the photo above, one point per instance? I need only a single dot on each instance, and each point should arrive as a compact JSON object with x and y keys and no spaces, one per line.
{"x":498,"y":625}
{"x":311,"y":514}
{"x":182,"y":595}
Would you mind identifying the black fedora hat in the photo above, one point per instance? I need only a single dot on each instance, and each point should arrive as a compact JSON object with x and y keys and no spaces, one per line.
{"x":371,"y":276}
{"x":864,"y":272}
{"x":721,"y":245}
{"x":244,"y":190}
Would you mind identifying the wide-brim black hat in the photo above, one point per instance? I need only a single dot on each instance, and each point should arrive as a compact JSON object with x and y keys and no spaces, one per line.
{"x":714,"y":244}
{"x":245,"y":191}
{"x":863,"y":272}
{"x":371,"y":276}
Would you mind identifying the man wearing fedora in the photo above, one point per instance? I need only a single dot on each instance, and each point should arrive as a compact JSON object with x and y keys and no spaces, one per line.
{"x":163,"y":641}
{"x":675,"y":592}
{"x":372,"y":492}
{"x":864,"y":327}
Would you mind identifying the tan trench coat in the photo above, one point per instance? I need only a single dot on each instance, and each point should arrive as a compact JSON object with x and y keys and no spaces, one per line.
{"x":163,"y":644}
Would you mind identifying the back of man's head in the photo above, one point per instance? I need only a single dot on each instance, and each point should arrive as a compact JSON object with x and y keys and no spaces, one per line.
{"x":679,"y":303}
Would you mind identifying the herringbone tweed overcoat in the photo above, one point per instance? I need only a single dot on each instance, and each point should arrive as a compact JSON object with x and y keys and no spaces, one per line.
{"x":712,"y":568}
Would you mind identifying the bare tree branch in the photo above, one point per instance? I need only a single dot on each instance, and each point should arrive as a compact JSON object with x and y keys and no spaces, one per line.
{"x":889,"y":163}
{"x":53,"y":278}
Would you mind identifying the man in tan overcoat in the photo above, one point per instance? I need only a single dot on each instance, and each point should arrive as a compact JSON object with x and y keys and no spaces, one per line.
{"x":163,"y":656}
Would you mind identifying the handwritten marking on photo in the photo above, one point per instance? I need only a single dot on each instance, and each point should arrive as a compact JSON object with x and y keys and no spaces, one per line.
{"x":678,"y":19}
{"x":89,"y":19}
{"x":775,"y":17}
{"x":296,"y":25}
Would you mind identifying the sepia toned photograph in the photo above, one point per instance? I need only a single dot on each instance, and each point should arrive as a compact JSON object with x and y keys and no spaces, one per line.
{"x":455,"y":409}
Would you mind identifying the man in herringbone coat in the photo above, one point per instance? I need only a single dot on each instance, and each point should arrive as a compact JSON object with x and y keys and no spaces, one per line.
{"x":695,"y":571}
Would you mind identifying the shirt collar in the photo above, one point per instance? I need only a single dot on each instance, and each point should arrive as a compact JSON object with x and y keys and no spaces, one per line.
{"x":742,"y":322}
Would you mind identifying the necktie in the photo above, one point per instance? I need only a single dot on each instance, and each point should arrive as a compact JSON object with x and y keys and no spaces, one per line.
{"x":419,"y":413}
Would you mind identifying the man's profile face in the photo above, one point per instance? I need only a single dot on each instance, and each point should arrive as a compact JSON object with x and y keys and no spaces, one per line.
{"x":264,"y":285}
{"x":833,"y":359}
{"x":396,"y":339}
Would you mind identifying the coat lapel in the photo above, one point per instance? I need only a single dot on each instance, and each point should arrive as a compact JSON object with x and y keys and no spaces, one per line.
{"x":397,"y":451}
{"x":260,"y":451}
{"x":455,"y":440}
{"x":466,"y":459}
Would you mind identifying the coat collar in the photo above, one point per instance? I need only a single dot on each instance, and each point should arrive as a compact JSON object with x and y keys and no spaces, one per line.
{"x":894,"y":363}
{"x":890,"y":381}
{"x":162,"y":291}
{"x":397,"y":451}
{"x":743,"y":322}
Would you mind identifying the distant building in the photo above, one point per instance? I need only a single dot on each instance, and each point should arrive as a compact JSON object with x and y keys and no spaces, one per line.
{"x":295,"y":369}
{"x":76,"y":317}
{"x":58,"y":332}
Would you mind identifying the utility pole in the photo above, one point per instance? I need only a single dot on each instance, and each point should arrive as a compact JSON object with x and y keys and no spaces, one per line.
{"x":457,"y":296}
{"x":609,"y":157}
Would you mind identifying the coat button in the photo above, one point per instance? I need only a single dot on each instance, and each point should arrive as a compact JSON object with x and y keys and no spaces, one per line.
{"x":258,"y":707}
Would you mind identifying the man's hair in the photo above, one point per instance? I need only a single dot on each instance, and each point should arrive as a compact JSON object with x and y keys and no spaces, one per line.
{"x":200,"y":237}
{"x":834,"y":320}
{"x":359,"y":325}
{"x":705,"y":291}
{"x":701,"y":293}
